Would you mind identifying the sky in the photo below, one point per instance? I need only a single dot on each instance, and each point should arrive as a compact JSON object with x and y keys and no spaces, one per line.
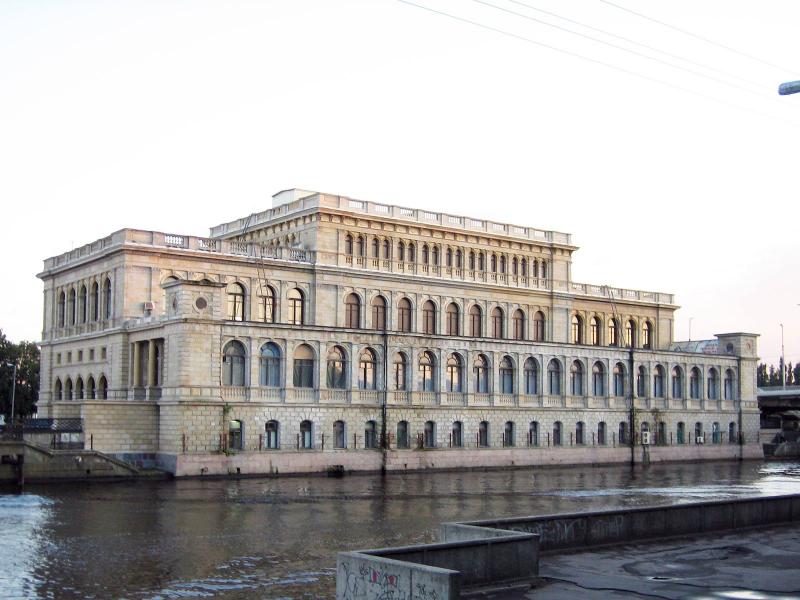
{"x":664,"y":149}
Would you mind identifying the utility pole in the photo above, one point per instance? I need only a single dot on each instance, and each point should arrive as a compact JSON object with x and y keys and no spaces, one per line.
{"x":631,"y":415}
{"x":783,"y":362}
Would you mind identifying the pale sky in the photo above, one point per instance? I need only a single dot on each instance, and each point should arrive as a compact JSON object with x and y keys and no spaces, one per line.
{"x":176,"y":116}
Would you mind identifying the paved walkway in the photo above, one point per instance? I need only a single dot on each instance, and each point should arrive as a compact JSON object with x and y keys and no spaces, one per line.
{"x":762,"y":564}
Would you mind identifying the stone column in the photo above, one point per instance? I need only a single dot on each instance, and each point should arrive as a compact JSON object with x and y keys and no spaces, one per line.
{"x":137,"y":365}
{"x":151,"y":364}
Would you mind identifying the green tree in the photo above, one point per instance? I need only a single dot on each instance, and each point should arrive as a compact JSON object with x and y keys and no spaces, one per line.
{"x":26,"y":356}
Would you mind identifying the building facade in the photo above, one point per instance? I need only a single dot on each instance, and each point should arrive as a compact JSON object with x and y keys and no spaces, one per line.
{"x":328,"y":331}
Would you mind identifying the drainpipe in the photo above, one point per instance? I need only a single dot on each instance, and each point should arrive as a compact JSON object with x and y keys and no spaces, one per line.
{"x":631,"y":424}
{"x":739,"y":389}
{"x":384,"y":402}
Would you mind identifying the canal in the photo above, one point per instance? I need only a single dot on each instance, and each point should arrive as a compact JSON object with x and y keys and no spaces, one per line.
{"x":278,"y":538}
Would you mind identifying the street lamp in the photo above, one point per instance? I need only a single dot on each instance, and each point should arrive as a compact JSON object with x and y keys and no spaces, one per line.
{"x":790,"y":87}
{"x":13,"y":390}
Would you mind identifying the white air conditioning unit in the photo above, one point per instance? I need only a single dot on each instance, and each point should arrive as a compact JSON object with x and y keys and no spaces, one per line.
{"x":700,"y":439}
{"x":646,"y":438}
{"x":149,"y":306}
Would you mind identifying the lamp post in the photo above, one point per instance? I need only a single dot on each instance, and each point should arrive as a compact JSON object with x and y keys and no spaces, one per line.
{"x":783,"y":359}
{"x":13,"y":390}
{"x":790,"y":87}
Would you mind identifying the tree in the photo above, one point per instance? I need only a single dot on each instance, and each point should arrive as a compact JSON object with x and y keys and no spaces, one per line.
{"x":26,"y":356}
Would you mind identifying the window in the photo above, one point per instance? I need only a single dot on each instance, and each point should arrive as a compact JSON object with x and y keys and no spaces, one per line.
{"x":457,"y":435}
{"x":694,"y":383}
{"x":580,"y":437}
{"x":538,"y":327}
{"x":412,"y":256}
{"x":729,"y":385}
{"x":401,"y":251}
{"x":598,"y":379}
{"x":494,"y":263}
{"x":523,"y":267}
{"x":483,"y":434}
{"x":272,"y":435}
{"x":62,"y":301}
{"x":647,"y":335}
{"x":508,"y":434}
{"x":103,"y":353}
{"x":80,"y":355}
{"x":661,"y":438}
{"x":102,"y":388}
{"x":366,"y":370}
{"x":71,"y":307}
{"x":459,"y":260}
{"x":623,"y":433}
{"x":677,"y":382}
{"x":306,"y":438}
{"x":400,"y":371}
{"x":576,"y":336}
{"x":732,"y":433}
{"x":716,"y":433}
{"x":360,"y":246}
{"x":235,"y":435}
{"x":107,"y":303}
{"x":425,"y":254}
{"x":613,"y":333}
{"x":339,"y":435}
{"x":95,"y":302}
{"x":90,"y":390}
{"x":57,"y":391}
{"x":435,"y":255}
{"x":269,"y":366}
{"x":518,"y":323}
{"x":91,"y":354}
{"x":454,"y":373}
{"x":601,"y":434}
{"x":402,"y":434}
{"x":506,"y":376}
{"x":658,"y":382}
{"x":576,"y":378}
{"x":303,"y":370}
{"x":554,"y":378}
{"x":698,"y":433}
{"x":630,"y":338}
{"x":514,"y":266}
{"x":375,"y":248}
{"x":544,"y":269}
{"x":352,"y":311}
{"x":594,"y":331}
{"x":641,"y":382}
{"x":502,"y":263}
{"x":426,"y":372}
{"x":83,"y":308}
{"x":429,"y":317}
{"x":68,"y":389}
{"x":404,"y":315}
{"x":498,"y":324}
{"x":476,"y":321}
{"x":267,"y":305}
{"x":713,"y":384}
{"x":336,"y":372}
{"x":452,"y":319}
{"x":348,"y":245}
{"x":295,"y":298}
{"x":531,"y":375}
{"x":379,"y":313}
{"x":370,"y":435}
{"x":533,"y":434}
{"x":386,"y":249}
{"x":429,"y":437}
{"x":481,"y":261}
{"x":235,"y":302}
{"x":480,"y":371}
{"x":681,"y":432}
{"x":557,"y":429}
{"x":233,"y":363}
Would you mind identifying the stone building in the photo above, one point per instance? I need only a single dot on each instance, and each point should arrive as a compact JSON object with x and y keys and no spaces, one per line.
{"x":330,"y":331}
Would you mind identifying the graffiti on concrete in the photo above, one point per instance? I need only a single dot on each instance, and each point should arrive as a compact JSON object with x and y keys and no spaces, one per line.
{"x":371,"y":583}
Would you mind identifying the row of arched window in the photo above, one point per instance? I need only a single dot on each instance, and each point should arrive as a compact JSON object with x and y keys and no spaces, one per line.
{"x":267,"y":305}
{"x":457,"y":379}
{"x":452,"y":257}
{"x":79,"y":390}
{"x":458,"y":437}
{"x":84,"y":304}
{"x":633,"y":337}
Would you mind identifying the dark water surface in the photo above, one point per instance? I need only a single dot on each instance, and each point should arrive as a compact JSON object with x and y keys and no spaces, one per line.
{"x":278,"y":538}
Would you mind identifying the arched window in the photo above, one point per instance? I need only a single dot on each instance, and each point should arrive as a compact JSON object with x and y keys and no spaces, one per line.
{"x":729,"y":385}
{"x":613,"y":333}
{"x":386,"y":249}
{"x":641,"y":382}
{"x":518,"y":321}
{"x":594,"y":331}
{"x":429,"y":317}
{"x":533,"y":433}
{"x":107,"y":301}
{"x":508,"y":434}
{"x":352,"y":311}
{"x":435,"y":256}
{"x":476,"y":321}
{"x":713,"y":384}
{"x":379,"y":313}
{"x":375,"y":248}
{"x":235,"y":302}
{"x":698,"y":433}
{"x":493,"y":262}
{"x":681,"y":433}
{"x":531,"y":373}
{"x":296,"y":316}
{"x":576,"y":378}
{"x":401,"y":251}
{"x":732,"y":433}
{"x":694,"y":383}
{"x":471,"y":260}
{"x":404,"y":315}
{"x":658,"y":382}
{"x":68,"y":389}
{"x":427,"y":372}
{"x":272,"y":439}
{"x":623,"y":433}
{"x":83,"y":302}
{"x":457,"y":435}
{"x":339,"y":435}
{"x":57,"y":391}
{"x":557,"y":429}
{"x":62,"y":309}
{"x":506,"y":375}
{"x":580,"y":435}
{"x":233,"y":362}
{"x":448,"y":257}
{"x":498,"y":323}
{"x":602,"y":438}
{"x":303,"y":370}
{"x":538,"y":326}
{"x":459,"y":260}
{"x":90,"y":390}
{"x":412,"y":253}
{"x":481,"y":261}
{"x":79,"y":389}
{"x":598,"y":379}
{"x":677,"y":382}
{"x":370,"y":434}
{"x":454,"y":373}
{"x":716,"y":433}
{"x":95,"y":301}
{"x":425,"y":254}
{"x":306,"y":440}
{"x":267,"y":304}
{"x":400,"y":370}
{"x":502,"y":263}
{"x":544,"y":269}
{"x":269,"y":366}
{"x":360,"y":246}
{"x":514,"y":266}
{"x":480,"y":372}
{"x":235,"y":435}
{"x":348,"y":244}
{"x":429,"y":437}
{"x":647,"y":335}
{"x":523,"y":267}
{"x":71,"y":307}
{"x":483,"y":434}
{"x":630,"y":331}
{"x":576,"y":336}
{"x":337,"y":372}
{"x":366,"y":370}
{"x":554,"y":378}
{"x":661,"y":437}
{"x":535,"y":265}
{"x":402,"y":434}
{"x":102,"y":388}
{"x":619,"y":380}
{"x":453,"y":319}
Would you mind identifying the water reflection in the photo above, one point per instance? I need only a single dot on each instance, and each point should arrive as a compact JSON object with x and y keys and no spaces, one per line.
{"x":279,"y":537}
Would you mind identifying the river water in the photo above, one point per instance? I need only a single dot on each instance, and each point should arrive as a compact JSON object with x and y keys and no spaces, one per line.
{"x":278,"y":537}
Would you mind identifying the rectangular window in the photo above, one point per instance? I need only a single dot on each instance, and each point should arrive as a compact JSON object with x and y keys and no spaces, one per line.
{"x":58,"y":358}
{"x":103,"y":353}
{"x":80,"y":355}
{"x":69,"y":357}
{"x":91,"y":354}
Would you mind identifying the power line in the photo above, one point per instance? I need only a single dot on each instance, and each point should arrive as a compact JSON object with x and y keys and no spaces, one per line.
{"x":699,"y":37}
{"x":598,"y":62}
